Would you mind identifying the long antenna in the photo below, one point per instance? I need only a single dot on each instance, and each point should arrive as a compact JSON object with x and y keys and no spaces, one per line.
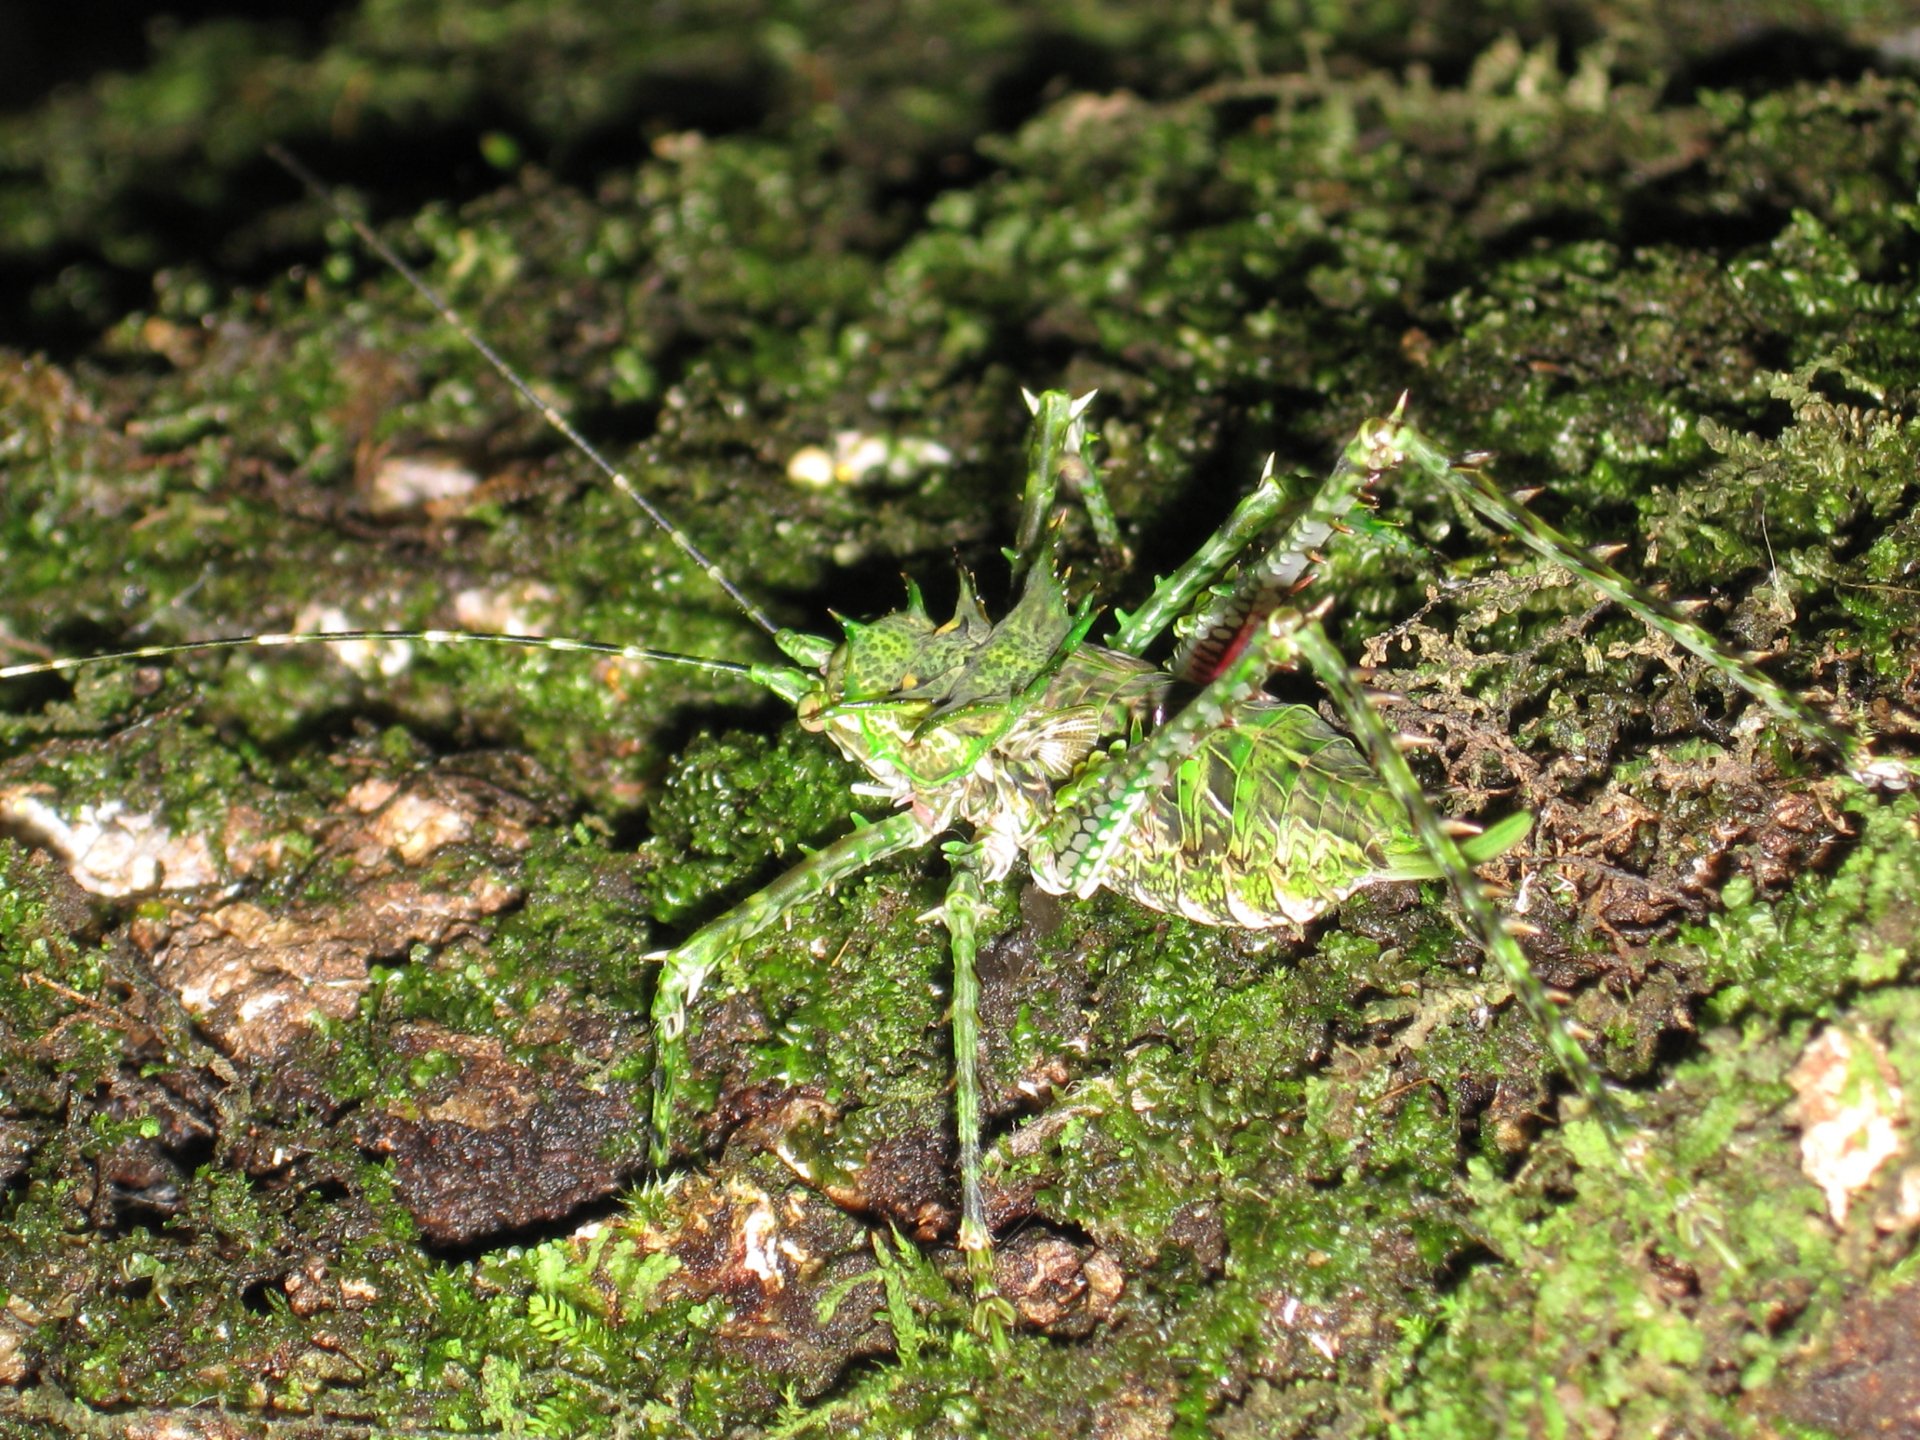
{"x":425,"y":637}
{"x":315,"y":187}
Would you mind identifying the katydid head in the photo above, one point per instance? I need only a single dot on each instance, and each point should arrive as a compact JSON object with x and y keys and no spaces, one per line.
{"x":906,"y":661}
{"x":901,"y":664}
{"x":921,"y":704}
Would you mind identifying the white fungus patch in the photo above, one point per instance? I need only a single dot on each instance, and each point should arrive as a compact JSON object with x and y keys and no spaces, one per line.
{"x":366,"y":658}
{"x":857,"y":458}
{"x":1851,"y":1114}
{"x":407,"y":482}
{"x":108,"y":849}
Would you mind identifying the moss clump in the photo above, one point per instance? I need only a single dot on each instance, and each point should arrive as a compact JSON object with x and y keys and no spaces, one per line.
{"x":1688,"y":1297}
{"x":1656,"y":274}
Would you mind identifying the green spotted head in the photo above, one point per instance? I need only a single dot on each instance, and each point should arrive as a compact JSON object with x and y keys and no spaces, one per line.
{"x":905,"y":659}
{"x":905,"y":655}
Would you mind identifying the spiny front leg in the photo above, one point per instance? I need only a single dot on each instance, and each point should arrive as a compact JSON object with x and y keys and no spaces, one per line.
{"x":961,"y":913}
{"x":684,"y":969}
{"x":1056,"y":453}
{"x":1135,"y":632}
{"x":1218,"y":629}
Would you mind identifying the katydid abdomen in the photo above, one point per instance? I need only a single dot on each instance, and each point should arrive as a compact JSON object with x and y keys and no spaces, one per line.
{"x":1271,"y":818}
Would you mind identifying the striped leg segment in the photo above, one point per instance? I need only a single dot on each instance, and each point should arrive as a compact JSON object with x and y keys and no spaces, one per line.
{"x":1228,"y":619}
{"x":963,"y":910}
{"x":1171,"y":596}
{"x":1095,"y":816}
{"x":1226,"y":623}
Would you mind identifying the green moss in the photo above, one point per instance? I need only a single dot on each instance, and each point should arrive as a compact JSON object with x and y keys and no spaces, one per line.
{"x":1640,"y":1295}
{"x":1810,"y":956}
{"x":1684,"y":310}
